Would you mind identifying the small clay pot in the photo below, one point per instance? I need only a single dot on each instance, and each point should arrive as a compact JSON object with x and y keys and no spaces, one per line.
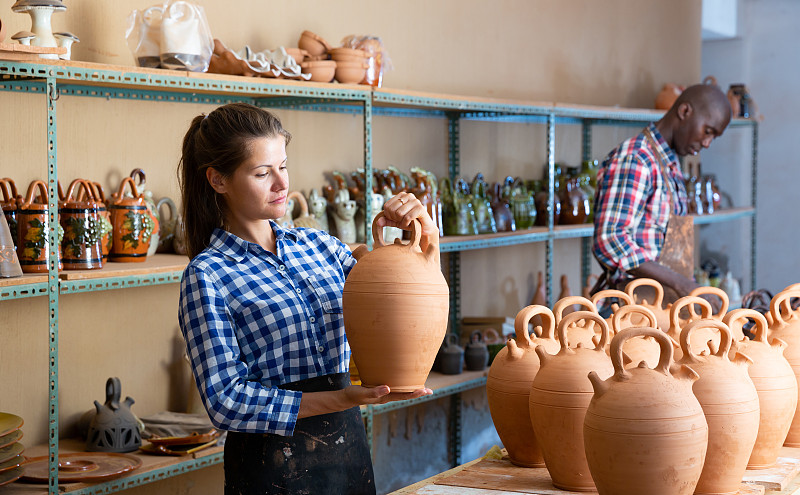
{"x":348,"y":55}
{"x":476,"y":354}
{"x":350,"y":72}
{"x":313,"y":43}
{"x":320,"y":70}
{"x":452,"y":358}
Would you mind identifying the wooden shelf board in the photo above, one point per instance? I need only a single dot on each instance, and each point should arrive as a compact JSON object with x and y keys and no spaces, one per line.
{"x":159,"y":263}
{"x":26,"y":278}
{"x":467,"y":238}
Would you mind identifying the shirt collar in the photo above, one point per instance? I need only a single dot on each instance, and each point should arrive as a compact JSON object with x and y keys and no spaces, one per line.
{"x":663,"y":147}
{"x":237,"y":248}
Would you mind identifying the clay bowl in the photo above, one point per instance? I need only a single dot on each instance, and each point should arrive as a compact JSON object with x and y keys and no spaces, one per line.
{"x":313,"y":43}
{"x":298,"y":54}
{"x":348,"y":55}
{"x":320,"y":70}
{"x":351,"y":72}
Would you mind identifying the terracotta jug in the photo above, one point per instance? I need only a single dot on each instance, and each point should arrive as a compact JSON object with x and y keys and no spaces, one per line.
{"x":653,"y":291}
{"x":622,"y":299}
{"x":701,"y":336}
{"x":730,"y":404}
{"x":713,"y":291}
{"x":786,"y":327}
{"x":669,"y":93}
{"x":396,"y":303}
{"x":645,"y":432}
{"x":584,"y":333}
{"x":775,"y":383}
{"x":636,"y":351}
{"x":80,"y":218}
{"x":559,"y":397}
{"x":33,"y":227}
{"x":508,"y":386}
{"x":132,"y":224}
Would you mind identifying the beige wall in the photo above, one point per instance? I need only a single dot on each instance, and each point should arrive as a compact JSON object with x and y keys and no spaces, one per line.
{"x":615,"y":52}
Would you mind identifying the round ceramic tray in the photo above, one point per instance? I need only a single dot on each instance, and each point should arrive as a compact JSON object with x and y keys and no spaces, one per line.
{"x":12,"y":437}
{"x":81,"y":467}
{"x":10,"y":475}
{"x":193,"y":439}
{"x":11,"y":463}
{"x":11,"y":451}
{"x":9,"y":422}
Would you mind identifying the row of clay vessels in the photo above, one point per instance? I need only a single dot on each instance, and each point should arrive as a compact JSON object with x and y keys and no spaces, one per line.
{"x":672,"y":392}
{"x":452,"y":358}
{"x":92,"y":229}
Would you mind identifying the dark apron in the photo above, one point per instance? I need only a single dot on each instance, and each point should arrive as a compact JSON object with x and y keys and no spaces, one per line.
{"x":326,"y":454}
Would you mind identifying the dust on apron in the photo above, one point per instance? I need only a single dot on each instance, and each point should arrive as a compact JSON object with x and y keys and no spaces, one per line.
{"x":326,"y":454}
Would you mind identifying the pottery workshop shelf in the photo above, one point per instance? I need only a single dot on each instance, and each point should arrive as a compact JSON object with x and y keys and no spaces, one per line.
{"x":29,"y":285}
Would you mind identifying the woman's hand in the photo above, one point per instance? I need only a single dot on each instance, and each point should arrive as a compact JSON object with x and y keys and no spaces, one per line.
{"x":402,"y":209}
{"x":358,"y":395}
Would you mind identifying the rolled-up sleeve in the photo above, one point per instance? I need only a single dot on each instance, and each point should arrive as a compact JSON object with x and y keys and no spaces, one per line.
{"x":233,"y":402}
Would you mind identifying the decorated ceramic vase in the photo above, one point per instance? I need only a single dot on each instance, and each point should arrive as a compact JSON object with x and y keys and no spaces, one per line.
{"x":636,"y":351}
{"x":396,"y":303}
{"x":730,"y":403}
{"x":786,"y":327}
{"x":33,"y":226}
{"x":132,"y":224}
{"x":652,"y":298}
{"x":581,"y":331}
{"x":81,"y":247}
{"x":559,"y":397}
{"x":775,"y":383}
{"x":645,"y":431}
{"x":105,"y":219}
{"x":701,"y":336}
{"x":508,"y":386}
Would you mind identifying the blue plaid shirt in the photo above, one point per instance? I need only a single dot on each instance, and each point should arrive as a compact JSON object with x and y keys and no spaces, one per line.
{"x":253,"y":321}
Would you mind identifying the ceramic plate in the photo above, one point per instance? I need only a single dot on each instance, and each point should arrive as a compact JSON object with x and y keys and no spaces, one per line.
{"x":12,"y":450}
{"x":9,"y":422}
{"x":10,"y":475}
{"x":11,"y":463}
{"x":81,"y":467}
{"x":12,"y":437}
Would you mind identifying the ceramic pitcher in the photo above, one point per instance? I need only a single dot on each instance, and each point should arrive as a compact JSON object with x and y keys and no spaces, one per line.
{"x":80,"y":218}
{"x":132,"y":225}
{"x":645,"y":431}
{"x":730,"y":403}
{"x":775,"y":383}
{"x":559,"y":397}
{"x":395,"y":307}
{"x":33,"y":227}
{"x":786,"y":327}
{"x":508,"y":386}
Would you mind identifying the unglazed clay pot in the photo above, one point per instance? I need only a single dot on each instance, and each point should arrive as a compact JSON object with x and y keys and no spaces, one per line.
{"x":714,"y":291}
{"x":508,"y":386}
{"x":636,"y":351}
{"x":132,"y":224}
{"x":621,"y":297}
{"x":559,"y":397}
{"x":775,"y":384}
{"x":33,"y":227}
{"x":730,"y":404}
{"x":583,"y":334}
{"x":396,"y":303}
{"x":701,"y":336}
{"x":645,"y":432}
{"x":786,"y":327}
{"x":655,"y":293}
{"x":669,"y":93}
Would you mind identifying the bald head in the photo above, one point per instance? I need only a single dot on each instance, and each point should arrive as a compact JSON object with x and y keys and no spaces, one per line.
{"x":699,"y":115}
{"x":707,"y":98}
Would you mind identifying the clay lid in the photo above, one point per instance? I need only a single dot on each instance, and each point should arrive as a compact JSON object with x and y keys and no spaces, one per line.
{"x":23,"y":35}
{"x":23,"y":5}
{"x":67,"y":34}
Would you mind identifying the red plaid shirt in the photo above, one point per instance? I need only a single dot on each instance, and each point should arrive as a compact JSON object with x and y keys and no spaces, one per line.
{"x":632,"y":204}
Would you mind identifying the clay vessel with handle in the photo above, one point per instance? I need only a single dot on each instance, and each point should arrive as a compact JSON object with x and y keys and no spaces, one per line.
{"x":652,"y":297}
{"x":786,"y":327}
{"x":621,"y":297}
{"x":304,"y":220}
{"x":775,"y":383}
{"x":700,"y":337}
{"x":643,"y":423}
{"x":539,"y":298}
{"x":710,"y":291}
{"x":476,"y":354}
{"x":395,"y":306}
{"x":167,"y":224}
{"x":452,"y":356}
{"x":730,"y":403}
{"x":105,"y":218}
{"x":33,"y":228}
{"x":636,"y":351}
{"x":559,"y":397}
{"x":132,"y":225}
{"x":83,"y":234}
{"x":508,"y":386}
{"x":584,"y":333}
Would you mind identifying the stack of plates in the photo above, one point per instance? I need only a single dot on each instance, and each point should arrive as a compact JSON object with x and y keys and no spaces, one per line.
{"x":11,"y":457}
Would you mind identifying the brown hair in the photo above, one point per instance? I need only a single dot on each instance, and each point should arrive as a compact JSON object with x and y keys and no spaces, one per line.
{"x":220,"y":140}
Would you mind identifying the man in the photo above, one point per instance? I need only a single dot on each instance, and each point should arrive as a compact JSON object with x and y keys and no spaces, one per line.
{"x":640,"y":185}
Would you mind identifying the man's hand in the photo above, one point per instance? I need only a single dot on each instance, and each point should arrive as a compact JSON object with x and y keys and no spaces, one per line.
{"x":382,"y":394}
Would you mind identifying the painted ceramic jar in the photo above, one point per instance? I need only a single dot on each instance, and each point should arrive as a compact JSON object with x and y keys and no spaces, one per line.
{"x":775,"y":383}
{"x":508,"y":386}
{"x":396,"y":303}
{"x":106,"y":228}
{"x":33,"y":227}
{"x":701,"y":336}
{"x":730,"y":403}
{"x":645,"y":431}
{"x":636,"y":351}
{"x":786,"y":327}
{"x":81,"y":248}
{"x":559,"y":397}
{"x":132,"y":224}
{"x":653,"y":291}
{"x":580,"y":332}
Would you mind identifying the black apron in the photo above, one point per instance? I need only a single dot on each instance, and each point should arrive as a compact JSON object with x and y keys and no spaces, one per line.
{"x":326,"y":454}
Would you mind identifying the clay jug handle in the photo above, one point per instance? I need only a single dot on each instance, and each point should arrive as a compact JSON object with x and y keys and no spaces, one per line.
{"x":726,"y":338}
{"x":113,"y":392}
{"x":735,"y":318}
{"x":609,"y":293}
{"x":664,"y":342}
{"x":301,"y":200}
{"x":173,"y":210}
{"x":782,"y":297}
{"x":573,"y":318}
{"x":451,"y":340}
{"x":710,"y":80}
{"x":619,"y":316}
{"x":99,"y":193}
{"x":12,"y":185}
{"x":524,"y":318}
{"x":37,"y":184}
{"x":128,"y":181}
{"x":7,"y":197}
{"x":647,"y":282}
{"x":377,"y":233}
{"x":713,"y":291}
{"x":72,"y":193}
{"x":561,"y":304}
{"x":139,"y":174}
{"x":677,"y":306}
{"x":492,"y":337}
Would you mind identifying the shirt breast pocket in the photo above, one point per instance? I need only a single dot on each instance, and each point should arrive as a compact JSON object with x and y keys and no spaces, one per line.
{"x":328,"y":286}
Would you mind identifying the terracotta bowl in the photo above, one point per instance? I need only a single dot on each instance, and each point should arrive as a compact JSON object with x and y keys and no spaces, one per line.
{"x":348,"y":55}
{"x":351,"y":72}
{"x":324,"y":56}
{"x":313,"y":43}
{"x":298,"y":54}
{"x":320,"y":70}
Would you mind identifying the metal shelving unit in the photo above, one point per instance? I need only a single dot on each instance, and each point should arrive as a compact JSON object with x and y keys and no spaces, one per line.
{"x":56,"y":78}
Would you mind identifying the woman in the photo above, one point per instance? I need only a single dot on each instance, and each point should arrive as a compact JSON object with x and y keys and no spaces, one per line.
{"x":261,"y":313}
